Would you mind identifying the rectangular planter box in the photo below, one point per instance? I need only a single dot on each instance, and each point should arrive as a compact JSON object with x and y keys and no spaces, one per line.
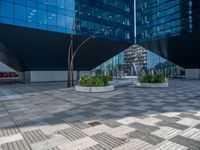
{"x":152,"y":85}
{"x":79,"y":88}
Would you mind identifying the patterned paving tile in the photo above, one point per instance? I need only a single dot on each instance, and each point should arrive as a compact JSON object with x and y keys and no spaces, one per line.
{"x":11,"y":138}
{"x":17,"y":145}
{"x":53,"y":148}
{"x":128,"y":120}
{"x":149,"y":138}
{"x":135,"y":145}
{"x":197,"y":126}
{"x":24,"y":123}
{"x":72,"y":134}
{"x":168,"y":145}
{"x":5,"y":118}
{"x":166,"y":132}
{"x":111,"y":123}
{"x":150,"y":120}
{"x":120,"y":131}
{"x":107,"y":140}
{"x":8,"y":130}
{"x":34,"y":136}
{"x":96,"y":129}
{"x":188,"y":122}
{"x":166,"y":118}
{"x":190,"y":116}
{"x":79,"y":144}
{"x":79,"y":125}
{"x":192,"y":133}
{"x":97,"y":147}
{"x":144,"y":128}
{"x":53,"y":121}
{"x":51,"y":116}
{"x":173,"y":125}
{"x":193,"y":144}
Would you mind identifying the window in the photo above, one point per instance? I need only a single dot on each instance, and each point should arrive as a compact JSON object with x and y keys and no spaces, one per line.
{"x":19,"y":12}
{"x":42,"y":17}
{"x":61,"y":20}
{"x":52,"y":2}
{"x":7,"y":10}
{"x":69,"y":22}
{"x":70,"y":5}
{"x":51,"y":19}
{"x":20,"y":2}
{"x":61,"y":3}
{"x":31,"y":15}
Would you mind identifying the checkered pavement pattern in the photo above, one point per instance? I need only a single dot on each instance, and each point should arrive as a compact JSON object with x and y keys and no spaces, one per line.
{"x":49,"y":116}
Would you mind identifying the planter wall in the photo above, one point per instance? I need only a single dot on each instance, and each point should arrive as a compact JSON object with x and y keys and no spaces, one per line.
{"x":152,"y":85}
{"x":84,"y":89}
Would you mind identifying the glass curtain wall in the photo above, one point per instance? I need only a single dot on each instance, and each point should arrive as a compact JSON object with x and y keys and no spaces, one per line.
{"x":157,"y":64}
{"x":158,"y":19}
{"x":112,"y":19}
{"x":53,"y":15}
{"x":86,"y":16}
{"x":113,"y":67}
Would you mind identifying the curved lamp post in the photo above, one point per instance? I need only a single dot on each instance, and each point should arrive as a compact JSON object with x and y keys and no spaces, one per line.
{"x":72,"y":54}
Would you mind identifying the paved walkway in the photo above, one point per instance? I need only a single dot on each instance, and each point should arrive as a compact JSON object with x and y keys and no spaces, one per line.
{"x":52,"y":117}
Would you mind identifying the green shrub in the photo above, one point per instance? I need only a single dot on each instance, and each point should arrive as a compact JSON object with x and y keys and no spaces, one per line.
{"x":149,"y":78}
{"x":159,"y":78}
{"x":109,"y":77}
{"x":95,"y":81}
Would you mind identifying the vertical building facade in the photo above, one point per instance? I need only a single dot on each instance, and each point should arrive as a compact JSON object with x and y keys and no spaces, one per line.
{"x":170,"y":29}
{"x":159,"y":19}
{"x":50,"y":23}
{"x":85,"y":16}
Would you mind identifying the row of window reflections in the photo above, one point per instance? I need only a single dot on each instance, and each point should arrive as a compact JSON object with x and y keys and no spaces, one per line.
{"x":120,"y":4}
{"x":70,"y":4}
{"x":26,"y":16}
{"x":19,"y":8}
{"x":87,"y":10}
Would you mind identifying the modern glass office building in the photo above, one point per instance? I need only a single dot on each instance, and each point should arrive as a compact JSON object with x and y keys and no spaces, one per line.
{"x":63,"y":15}
{"x":170,"y":29}
{"x":37,"y":32}
{"x":55,"y":20}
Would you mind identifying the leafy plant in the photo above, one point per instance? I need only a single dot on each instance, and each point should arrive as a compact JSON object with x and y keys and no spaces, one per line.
{"x":95,"y":81}
{"x":149,"y":78}
{"x":159,"y":78}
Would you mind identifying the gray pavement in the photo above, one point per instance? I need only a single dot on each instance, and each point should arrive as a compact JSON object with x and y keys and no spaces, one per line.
{"x":49,"y":116}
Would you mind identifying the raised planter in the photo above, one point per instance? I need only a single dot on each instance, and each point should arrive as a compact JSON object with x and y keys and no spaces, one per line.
{"x":152,"y":85}
{"x":84,"y":89}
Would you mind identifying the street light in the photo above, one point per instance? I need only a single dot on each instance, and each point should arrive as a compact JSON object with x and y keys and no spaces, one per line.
{"x":72,"y":54}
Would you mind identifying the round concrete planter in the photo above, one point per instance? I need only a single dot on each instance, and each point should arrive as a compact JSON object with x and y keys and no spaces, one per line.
{"x":84,"y":89}
{"x":152,"y":85}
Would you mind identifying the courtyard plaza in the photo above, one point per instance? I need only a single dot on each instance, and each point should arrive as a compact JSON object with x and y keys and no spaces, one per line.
{"x":49,"y":116}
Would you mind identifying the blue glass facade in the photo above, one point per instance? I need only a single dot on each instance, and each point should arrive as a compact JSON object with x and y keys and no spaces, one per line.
{"x":113,"y":66}
{"x":53,"y":15}
{"x":153,"y":60}
{"x":171,"y":29}
{"x":158,"y":64}
{"x":159,"y":19}
{"x":63,"y":15}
